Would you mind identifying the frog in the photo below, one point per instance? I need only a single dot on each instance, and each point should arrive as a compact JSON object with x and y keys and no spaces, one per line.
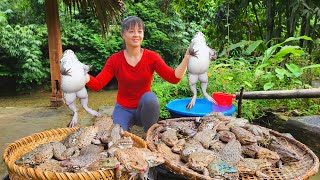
{"x":286,"y":154}
{"x":216,"y":145}
{"x":270,"y":156}
{"x":262,"y":134}
{"x":179,"y":146}
{"x":219,"y":169}
{"x":205,"y":137}
{"x":61,"y":152}
{"x":81,"y":138}
{"x":124,"y":142}
{"x":223,"y":126}
{"x":186,"y":128}
{"x":200,"y":55}
{"x":91,"y":148}
{"x":116,"y":132}
{"x":169,"y":136}
{"x":199,"y":161}
{"x":231,"y":153}
{"x":109,"y":163}
{"x":250,"y":150}
{"x":79,"y":163}
{"x":166,"y":150}
{"x":132,"y":162}
{"x":190,"y":146}
{"x":71,"y":139}
{"x":73,"y":81}
{"x":104,"y":126}
{"x":220,"y":116}
{"x":38,"y":155}
{"x":153,"y":159}
{"x":210,"y":123}
{"x":226,"y":136}
{"x":243,"y":136}
{"x":241,"y":122}
{"x":50,"y":165}
{"x":252,"y":166}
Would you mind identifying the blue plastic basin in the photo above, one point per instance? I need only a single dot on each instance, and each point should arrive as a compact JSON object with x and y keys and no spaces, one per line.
{"x":177,"y":108}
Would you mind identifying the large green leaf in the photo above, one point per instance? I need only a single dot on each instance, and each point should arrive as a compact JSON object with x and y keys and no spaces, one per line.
{"x":268,"y":86}
{"x":296,"y":50}
{"x":280,"y":73}
{"x":297,"y":38}
{"x":247,"y":83}
{"x":239,"y":44}
{"x":253,"y":46}
{"x":268,"y":53}
{"x":311,"y":66}
{"x":296,"y":70}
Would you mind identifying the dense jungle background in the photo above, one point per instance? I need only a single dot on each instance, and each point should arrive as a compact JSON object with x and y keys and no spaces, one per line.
{"x":262,"y":45}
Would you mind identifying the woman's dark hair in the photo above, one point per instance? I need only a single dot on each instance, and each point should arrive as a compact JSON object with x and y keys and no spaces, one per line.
{"x":131,"y":21}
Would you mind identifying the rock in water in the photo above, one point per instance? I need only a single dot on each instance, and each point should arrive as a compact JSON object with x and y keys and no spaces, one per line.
{"x":198,"y":66}
{"x":73,"y":81}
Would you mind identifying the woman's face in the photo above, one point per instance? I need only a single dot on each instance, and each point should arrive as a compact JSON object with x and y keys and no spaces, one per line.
{"x":133,"y":36}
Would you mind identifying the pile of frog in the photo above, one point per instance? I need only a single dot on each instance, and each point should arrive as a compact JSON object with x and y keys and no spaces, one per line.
{"x":101,"y":146}
{"x":222,"y":147}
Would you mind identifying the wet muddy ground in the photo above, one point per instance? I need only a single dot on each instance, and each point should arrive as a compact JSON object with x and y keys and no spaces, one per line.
{"x":23,"y":115}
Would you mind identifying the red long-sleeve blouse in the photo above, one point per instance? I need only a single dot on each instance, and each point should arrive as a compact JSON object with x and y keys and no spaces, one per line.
{"x":133,"y":82}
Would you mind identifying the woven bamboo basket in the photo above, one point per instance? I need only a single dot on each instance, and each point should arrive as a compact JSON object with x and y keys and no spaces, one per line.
{"x":302,"y":170}
{"x":15,"y":150}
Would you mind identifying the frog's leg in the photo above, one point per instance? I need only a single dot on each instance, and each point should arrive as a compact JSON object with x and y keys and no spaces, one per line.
{"x":193,"y":78}
{"x":204,"y":84}
{"x":83,"y":95}
{"x":70,"y":99}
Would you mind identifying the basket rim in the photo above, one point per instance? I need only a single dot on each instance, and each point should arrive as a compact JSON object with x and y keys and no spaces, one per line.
{"x":12,"y":147}
{"x":194,"y":175}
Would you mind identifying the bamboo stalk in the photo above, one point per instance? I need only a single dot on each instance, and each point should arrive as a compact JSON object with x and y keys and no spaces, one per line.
{"x":281,"y":94}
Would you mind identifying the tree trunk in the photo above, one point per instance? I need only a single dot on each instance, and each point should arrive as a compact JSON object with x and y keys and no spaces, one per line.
{"x":307,"y":31}
{"x":279,"y":28}
{"x":257,"y":19}
{"x":289,"y":19}
{"x":55,"y":50}
{"x":270,"y":20}
{"x":302,"y":29}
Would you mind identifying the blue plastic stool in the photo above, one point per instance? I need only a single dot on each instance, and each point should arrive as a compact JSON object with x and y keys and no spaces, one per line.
{"x":177,"y":108}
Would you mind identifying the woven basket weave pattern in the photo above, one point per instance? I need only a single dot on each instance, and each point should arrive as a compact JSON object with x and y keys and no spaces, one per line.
{"x":304,"y":169}
{"x":15,"y":150}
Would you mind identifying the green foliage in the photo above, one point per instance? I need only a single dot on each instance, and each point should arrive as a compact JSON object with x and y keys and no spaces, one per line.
{"x":167,"y":92}
{"x":21,"y":56}
{"x":88,"y":44}
{"x":24,"y":12}
{"x":274,"y":71}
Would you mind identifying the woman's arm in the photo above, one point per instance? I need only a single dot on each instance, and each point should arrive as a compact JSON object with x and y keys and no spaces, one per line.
{"x":182,"y":67}
{"x":102,"y":79}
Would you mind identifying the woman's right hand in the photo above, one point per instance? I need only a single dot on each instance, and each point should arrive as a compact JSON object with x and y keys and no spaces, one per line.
{"x":87,"y":78}
{"x":187,"y":54}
